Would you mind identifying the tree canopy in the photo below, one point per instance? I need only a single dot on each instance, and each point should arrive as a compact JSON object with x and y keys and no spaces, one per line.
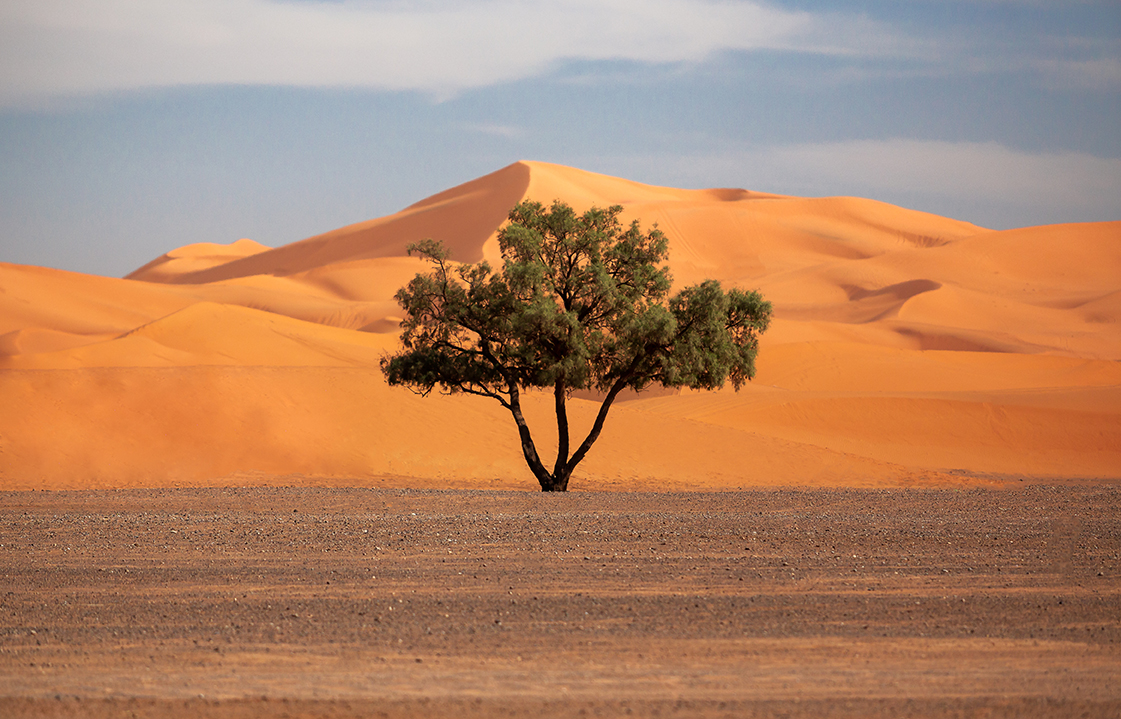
{"x":581,"y":302}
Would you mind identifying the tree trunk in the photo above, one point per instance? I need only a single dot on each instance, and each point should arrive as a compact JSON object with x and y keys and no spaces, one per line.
{"x":555,"y":483}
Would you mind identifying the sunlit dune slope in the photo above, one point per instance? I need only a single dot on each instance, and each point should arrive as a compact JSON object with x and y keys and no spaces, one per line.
{"x":1017,"y":414}
{"x":324,"y":425}
{"x":908,"y":349}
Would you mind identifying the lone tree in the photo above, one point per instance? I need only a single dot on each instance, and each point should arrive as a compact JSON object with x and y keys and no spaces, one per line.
{"x":580,"y":303}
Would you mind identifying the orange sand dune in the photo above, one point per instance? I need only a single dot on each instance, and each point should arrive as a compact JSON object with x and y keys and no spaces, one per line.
{"x":908,"y":349}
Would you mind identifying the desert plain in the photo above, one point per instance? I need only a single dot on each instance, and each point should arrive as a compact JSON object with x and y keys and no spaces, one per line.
{"x":213,"y":504}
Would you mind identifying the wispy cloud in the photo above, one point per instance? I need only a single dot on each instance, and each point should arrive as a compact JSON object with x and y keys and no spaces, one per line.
{"x":61,"y":47}
{"x":986,"y":171}
{"x":1001,"y":186}
{"x":1103,"y":73}
{"x":507,"y":132}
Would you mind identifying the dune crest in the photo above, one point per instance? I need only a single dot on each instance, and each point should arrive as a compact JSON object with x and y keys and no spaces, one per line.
{"x":908,"y":349}
{"x":194,"y":258}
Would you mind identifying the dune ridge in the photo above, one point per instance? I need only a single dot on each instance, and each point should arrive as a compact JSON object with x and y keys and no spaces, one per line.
{"x":200,"y":256}
{"x":908,"y":349}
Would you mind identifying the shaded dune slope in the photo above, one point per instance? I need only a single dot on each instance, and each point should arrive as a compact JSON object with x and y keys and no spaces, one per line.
{"x":463,"y":218}
{"x":907,"y":349}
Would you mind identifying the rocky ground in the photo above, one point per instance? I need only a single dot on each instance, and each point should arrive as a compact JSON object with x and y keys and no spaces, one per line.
{"x":405,"y":603}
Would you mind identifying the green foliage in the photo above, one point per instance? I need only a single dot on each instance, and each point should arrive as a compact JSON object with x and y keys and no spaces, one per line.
{"x":581,"y":302}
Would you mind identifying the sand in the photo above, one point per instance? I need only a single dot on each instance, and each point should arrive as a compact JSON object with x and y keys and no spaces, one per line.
{"x":908,"y":350}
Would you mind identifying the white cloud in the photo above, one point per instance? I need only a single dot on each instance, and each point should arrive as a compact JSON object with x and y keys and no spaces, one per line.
{"x":987,"y":183}
{"x":61,"y":47}
{"x":67,"y":48}
{"x":1102,"y":73}
{"x":506,"y":132}
{"x":952,"y":169}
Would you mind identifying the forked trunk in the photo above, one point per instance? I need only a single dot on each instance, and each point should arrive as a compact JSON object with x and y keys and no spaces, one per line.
{"x":557,"y":480}
{"x":553,"y":483}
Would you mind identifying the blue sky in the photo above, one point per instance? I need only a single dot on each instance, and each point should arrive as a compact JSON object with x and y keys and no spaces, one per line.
{"x":130,"y":127}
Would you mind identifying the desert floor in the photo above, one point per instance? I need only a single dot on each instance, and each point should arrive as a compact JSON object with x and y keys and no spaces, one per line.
{"x":403,"y":603}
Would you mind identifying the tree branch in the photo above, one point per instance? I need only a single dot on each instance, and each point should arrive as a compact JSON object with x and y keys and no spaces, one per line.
{"x":470,"y":389}
{"x":597,"y":427}
{"x":528,"y":448}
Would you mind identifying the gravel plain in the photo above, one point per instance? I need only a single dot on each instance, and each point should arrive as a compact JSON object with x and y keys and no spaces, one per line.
{"x":296,"y":602}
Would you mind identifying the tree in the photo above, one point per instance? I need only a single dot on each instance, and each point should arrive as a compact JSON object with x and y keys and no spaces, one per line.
{"x":580,"y":302}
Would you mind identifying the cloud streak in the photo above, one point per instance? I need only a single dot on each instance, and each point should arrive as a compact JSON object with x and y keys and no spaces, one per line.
{"x":1002,"y":187}
{"x":68,"y":47}
{"x":986,"y":171}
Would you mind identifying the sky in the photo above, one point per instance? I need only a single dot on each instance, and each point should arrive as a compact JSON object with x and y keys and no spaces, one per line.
{"x":131,"y":127}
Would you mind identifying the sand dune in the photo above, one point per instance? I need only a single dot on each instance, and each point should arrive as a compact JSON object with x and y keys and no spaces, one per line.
{"x":908,"y":349}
